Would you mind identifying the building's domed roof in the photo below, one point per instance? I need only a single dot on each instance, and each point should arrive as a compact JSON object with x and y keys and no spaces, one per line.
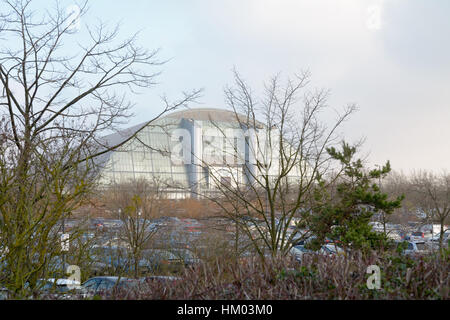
{"x":201,"y":114}
{"x":206,"y":114}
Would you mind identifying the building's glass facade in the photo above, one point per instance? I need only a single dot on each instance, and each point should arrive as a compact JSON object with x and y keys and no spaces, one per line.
{"x":181,"y":150}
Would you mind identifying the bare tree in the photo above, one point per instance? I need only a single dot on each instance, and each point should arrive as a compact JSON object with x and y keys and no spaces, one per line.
{"x":433,"y":197}
{"x":397,"y":184}
{"x":265,"y":190}
{"x":138,"y":203}
{"x":57,"y":98}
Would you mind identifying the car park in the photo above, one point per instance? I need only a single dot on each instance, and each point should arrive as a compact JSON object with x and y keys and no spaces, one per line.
{"x":113,"y":260}
{"x":161,"y":259}
{"x":87,"y":236}
{"x":107,"y":257}
{"x":166,"y":221}
{"x":188,"y":257}
{"x":112,"y":223}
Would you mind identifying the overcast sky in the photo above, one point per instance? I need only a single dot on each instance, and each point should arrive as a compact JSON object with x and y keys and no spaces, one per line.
{"x":391,"y":57}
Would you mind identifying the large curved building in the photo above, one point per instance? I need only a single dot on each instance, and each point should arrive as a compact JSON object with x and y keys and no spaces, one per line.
{"x":188,"y":152}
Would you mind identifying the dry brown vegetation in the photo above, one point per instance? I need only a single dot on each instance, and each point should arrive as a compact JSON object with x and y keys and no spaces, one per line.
{"x":317,"y":277}
{"x":98,"y":206}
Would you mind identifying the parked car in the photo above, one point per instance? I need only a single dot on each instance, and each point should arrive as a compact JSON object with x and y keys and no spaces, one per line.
{"x":3,"y":251}
{"x":189,"y":258}
{"x":87,"y":236}
{"x":97,"y":224}
{"x":166,"y":221}
{"x":112,"y":223}
{"x":377,"y":226}
{"x":115,"y":260}
{"x":163,"y":259}
{"x":403,"y":235}
{"x":330,"y":249}
{"x":303,"y":242}
{"x":107,"y":285}
{"x":53,"y":289}
{"x":58,"y":285}
{"x":417,"y":236}
{"x":298,"y":251}
{"x":57,"y":288}
{"x":163,"y":279}
{"x":437,"y":236}
{"x":413,"y":247}
{"x":395,"y":235}
{"x":4,"y":293}
{"x":432,"y":228}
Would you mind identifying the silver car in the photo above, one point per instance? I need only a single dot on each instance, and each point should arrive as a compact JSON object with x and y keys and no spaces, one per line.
{"x":106,"y":285}
{"x":415,"y":247}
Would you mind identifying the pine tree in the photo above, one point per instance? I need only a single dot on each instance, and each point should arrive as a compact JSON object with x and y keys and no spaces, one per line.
{"x":343,"y":212}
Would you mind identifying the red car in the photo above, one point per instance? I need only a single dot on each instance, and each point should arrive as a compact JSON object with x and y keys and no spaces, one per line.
{"x":417,"y":236}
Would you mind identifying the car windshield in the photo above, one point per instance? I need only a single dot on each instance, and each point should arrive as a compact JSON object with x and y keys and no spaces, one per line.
{"x":128,"y":283}
{"x":159,"y":255}
{"x":106,"y":285}
{"x":327,"y":249}
{"x":302,"y":248}
{"x":420,"y":246}
{"x":90,"y":284}
{"x":51,"y":286}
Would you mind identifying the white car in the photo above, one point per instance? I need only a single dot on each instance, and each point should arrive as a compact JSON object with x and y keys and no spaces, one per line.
{"x":107,"y":284}
{"x":4,"y":293}
{"x":331,"y":249}
{"x":298,"y":252}
{"x":58,"y":288}
{"x":414,"y":248}
{"x":395,"y":235}
{"x":417,"y":236}
{"x":328,"y":249}
{"x":436,"y":236}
